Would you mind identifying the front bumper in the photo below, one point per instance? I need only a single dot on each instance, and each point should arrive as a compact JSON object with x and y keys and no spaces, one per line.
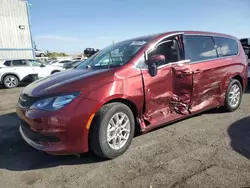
{"x":57,"y":132}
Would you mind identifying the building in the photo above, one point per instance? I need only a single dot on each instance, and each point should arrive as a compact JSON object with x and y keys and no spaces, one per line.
{"x":15,"y":34}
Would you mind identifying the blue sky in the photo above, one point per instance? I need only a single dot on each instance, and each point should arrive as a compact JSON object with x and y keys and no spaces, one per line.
{"x":72,"y":25}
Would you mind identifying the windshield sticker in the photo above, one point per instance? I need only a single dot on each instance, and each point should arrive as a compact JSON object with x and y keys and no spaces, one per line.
{"x":138,"y":43}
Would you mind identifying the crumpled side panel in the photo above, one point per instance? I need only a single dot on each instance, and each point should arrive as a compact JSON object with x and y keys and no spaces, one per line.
{"x":182,"y":88}
{"x":208,"y":89}
{"x":174,"y":98}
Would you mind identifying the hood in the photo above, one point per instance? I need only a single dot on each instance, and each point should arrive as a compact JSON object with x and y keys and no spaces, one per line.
{"x":63,"y":82}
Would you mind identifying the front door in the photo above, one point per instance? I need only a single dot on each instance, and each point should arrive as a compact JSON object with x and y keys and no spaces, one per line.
{"x":168,"y":94}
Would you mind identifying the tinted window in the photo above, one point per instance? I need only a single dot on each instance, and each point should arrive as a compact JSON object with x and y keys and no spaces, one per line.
{"x":226,"y":46}
{"x":7,"y":63}
{"x":199,"y":48}
{"x":19,"y":63}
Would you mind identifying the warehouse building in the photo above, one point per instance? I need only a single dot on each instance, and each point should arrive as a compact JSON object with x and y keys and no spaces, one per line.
{"x":15,"y":34}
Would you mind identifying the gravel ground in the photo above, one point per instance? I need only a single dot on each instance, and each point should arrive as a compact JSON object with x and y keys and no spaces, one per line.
{"x":208,"y":150}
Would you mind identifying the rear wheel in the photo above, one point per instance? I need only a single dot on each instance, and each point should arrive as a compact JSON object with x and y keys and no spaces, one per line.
{"x":112,"y":130}
{"x":10,"y":81}
{"x":233,"y":96}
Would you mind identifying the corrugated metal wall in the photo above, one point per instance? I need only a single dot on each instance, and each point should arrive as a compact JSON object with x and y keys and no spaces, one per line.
{"x":14,"y":42}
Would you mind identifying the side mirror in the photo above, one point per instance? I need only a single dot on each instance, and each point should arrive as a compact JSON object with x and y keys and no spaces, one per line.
{"x":152,"y":63}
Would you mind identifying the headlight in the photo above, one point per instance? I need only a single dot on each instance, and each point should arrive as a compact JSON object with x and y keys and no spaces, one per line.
{"x":55,"y":103}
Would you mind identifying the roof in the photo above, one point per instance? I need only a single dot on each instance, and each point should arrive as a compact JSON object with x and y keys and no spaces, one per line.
{"x":197,"y":33}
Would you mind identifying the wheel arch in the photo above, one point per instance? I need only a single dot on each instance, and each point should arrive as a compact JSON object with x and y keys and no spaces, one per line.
{"x":240,"y":79}
{"x":9,"y":74}
{"x":132,"y":107}
{"x":54,"y":71}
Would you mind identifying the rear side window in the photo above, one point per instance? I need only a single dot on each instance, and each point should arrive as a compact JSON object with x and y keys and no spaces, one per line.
{"x":226,"y":46}
{"x":199,"y":48}
{"x":19,"y":63}
{"x":7,"y":63}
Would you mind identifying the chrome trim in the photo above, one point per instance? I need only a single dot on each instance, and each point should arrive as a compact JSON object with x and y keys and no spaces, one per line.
{"x":31,"y":142}
{"x":212,"y":35}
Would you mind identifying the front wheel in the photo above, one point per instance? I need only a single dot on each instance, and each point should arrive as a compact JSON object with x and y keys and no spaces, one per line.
{"x":10,"y":81}
{"x":233,"y":96}
{"x":112,"y":130}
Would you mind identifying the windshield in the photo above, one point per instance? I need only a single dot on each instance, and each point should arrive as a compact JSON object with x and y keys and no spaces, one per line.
{"x":115,"y":55}
{"x":35,"y":63}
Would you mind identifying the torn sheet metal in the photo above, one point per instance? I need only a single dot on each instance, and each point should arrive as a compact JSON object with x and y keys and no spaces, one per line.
{"x":171,"y":94}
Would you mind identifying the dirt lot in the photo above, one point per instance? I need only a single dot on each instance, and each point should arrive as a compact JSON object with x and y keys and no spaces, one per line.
{"x":208,"y":150}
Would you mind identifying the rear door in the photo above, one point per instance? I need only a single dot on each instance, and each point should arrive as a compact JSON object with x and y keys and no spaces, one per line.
{"x":209,"y":71}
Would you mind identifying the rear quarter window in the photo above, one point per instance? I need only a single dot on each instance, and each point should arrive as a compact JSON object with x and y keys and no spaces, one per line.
{"x":226,"y":46}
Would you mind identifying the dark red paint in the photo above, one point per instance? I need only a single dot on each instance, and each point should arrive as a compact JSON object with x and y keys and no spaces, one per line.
{"x":178,"y":91}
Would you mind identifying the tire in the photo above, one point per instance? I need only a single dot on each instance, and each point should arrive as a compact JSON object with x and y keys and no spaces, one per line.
{"x":229,"y":96}
{"x":10,"y":81}
{"x":98,"y":139}
{"x":42,"y":55}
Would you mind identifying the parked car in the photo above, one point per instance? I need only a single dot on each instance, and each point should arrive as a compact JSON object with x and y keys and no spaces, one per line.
{"x":90,"y":51}
{"x":59,"y":63}
{"x":138,"y":84}
{"x":23,"y":70}
{"x":71,"y":64}
{"x":40,"y":53}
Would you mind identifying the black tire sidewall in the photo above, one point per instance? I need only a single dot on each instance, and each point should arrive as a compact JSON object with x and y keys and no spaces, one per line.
{"x":228,"y":106}
{"x":8,"y":76}
{"x":105,"y":118}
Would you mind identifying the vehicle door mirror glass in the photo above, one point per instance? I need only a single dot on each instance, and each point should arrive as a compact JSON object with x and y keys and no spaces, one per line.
{"x":152,"y":63}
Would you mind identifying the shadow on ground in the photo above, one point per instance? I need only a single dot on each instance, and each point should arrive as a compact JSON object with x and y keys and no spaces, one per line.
{"x":17,"y":155}
{"x":239,"y":133}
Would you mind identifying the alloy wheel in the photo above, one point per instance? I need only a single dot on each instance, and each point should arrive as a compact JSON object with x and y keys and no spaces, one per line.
{"x":234,"y":95}
{"x":118,"y":130}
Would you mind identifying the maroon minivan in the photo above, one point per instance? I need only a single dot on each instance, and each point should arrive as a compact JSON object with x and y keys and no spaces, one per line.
{"x":137,"y":84}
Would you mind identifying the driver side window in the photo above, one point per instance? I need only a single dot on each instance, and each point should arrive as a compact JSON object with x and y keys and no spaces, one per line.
{"x":170,"y":48}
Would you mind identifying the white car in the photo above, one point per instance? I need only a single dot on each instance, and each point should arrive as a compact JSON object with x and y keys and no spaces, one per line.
{"x":59,"y":63}
{"x":12,"y":72}
{"x":40,"y":53}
